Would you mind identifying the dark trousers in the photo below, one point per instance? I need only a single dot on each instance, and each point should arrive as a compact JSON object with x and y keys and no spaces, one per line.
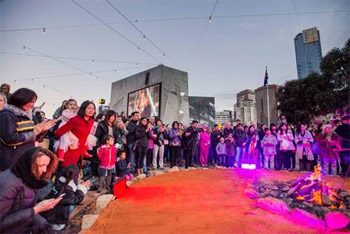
{"x":230,"y":161}
{"x":287,"y":158}
{"x":149,"y":157}
{"x":140,"y":154}
{"x":188,"y":157}
{"x":174,"y":154}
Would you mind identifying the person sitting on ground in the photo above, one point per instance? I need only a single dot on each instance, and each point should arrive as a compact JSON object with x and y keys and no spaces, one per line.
{"x":73,"y":193}
{"x":19,"y":187}
{"x":123,"y":167}
{"x":107,"y":156}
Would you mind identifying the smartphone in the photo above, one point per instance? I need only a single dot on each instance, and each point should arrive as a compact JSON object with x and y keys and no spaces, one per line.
{"x":62,"y":195}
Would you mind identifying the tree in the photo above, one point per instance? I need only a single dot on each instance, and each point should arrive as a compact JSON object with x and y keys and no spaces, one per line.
{"x":303,"y":100}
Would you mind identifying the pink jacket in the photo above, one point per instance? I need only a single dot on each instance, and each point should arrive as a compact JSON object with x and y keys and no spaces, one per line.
{"x":107,"y":156}
{"x":204,"y":140}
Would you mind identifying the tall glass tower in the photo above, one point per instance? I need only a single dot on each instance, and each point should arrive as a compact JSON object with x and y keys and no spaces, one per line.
{"x":308,"y":52}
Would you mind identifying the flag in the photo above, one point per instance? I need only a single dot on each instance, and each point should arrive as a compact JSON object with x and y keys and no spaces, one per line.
{"x":266,"y":77}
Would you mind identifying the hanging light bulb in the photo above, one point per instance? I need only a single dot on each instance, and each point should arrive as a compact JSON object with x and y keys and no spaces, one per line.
{"x":44,"y":86}
{"x":144,"y":37}
{"x":24,"y":47}
{"x":138,"y":48}
{"x":44,"y":30}
{"x":93,"y":60}
{"x":209,"y":19}
{"x":163,"y":54}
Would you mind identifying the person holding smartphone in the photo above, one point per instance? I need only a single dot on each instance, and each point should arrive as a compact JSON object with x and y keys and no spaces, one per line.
{"x":71,"y":192}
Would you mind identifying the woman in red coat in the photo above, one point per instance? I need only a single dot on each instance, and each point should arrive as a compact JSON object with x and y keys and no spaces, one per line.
{"x":80,"y":126}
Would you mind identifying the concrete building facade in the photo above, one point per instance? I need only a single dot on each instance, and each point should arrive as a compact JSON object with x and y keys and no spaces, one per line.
{"x":223,"y":116}
{"x":202,"y":109}
{"x":245,"y":108}
{"x":261,"y":104}
{"x":173,"y":92}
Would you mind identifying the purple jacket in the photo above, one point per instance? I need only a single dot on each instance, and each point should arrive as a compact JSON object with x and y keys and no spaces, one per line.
{"x":175,"y":140}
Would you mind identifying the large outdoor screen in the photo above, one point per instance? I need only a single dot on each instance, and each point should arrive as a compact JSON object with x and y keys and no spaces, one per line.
{"x":146,"y":101}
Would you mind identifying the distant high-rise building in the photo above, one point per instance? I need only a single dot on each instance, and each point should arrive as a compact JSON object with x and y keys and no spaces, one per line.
{"x":245,"y":109}
{"x":261,"y":104}
{"x":202,"y":109}
{"x":308,"y":52}
{"x":223,"y":116}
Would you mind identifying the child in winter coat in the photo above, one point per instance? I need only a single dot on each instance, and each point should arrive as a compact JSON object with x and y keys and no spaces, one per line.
{"x":106,"y":155}
{"x":269,"y":143}
{"x":221,"y":152}
{"x":230,"y":151}
{"x":123,"y":167}
{"x":68,"y":139}
{"x":73,"y":193}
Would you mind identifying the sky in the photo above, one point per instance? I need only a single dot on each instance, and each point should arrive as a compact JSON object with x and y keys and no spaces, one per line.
{"x":80,"y":55}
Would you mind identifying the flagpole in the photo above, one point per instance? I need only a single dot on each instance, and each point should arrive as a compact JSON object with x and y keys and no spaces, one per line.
{"x":268,"y":103}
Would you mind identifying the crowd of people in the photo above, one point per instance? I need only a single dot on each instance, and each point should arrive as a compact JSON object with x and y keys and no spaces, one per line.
{"x":47,"y":166}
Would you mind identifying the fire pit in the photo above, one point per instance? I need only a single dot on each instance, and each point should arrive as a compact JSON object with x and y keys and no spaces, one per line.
{"x":323,"y":204}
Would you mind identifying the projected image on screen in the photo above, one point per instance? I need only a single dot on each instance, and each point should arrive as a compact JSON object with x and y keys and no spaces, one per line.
{"x":145,"y":101}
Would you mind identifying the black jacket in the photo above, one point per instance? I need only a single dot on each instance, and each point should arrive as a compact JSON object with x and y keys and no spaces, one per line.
{"x":73,"y":196}
{"x":214,"y":138}
{"x":131,"y":127}
{"x":17,"y":202}
{"x":16,"y":135}
{"x":101,"y":131}
{"x":122,"y":168}
{"x":141,"y":136}
{"x":344,"y":132}
{"x":191,"y":140}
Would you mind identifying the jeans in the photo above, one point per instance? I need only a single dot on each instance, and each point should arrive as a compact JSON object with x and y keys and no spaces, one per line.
{"x":140,"y":155}
{"x":240,"y":154}
{"x":132,"y":157}
{"x":157,"y":149}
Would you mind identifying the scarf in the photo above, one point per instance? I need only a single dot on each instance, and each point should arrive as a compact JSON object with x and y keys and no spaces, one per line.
{"x":23,"y":170}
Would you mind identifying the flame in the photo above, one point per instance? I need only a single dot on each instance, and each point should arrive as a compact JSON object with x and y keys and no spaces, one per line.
{"x":317,"y":197}
{"x":300,"y":198}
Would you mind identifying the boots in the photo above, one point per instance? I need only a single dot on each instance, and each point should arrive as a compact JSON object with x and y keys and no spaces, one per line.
{"x":101,"y":182}
{"x":108,"y":183}
{"x":301,"y":166}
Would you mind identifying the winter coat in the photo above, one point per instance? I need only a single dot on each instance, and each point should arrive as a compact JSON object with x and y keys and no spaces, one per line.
{"x":151,"y":140}
{"x":286,"y":140}
{"x":304,"y":148}
{"x":107,"y":156}
{"x":220,"y":148}
{"x":327,"y":146}
{"x":344,"y":133}
{"x":215,"y":138}
{"x":74,"y":194}
{"x":17,"y":201}
{"x":120,"y":138}
{"x":161,"y":136}
{"x":175,"y":140}
{"x":16,"y":135}
{"x":240,"y":137}
{"x":142,"y":137}
{"x":101,"y":131}
{"x":228,"y":131}
{"x":252,"y":142}
{"x":122,"y":169}
{"x":230,"y":147}
{"x":204,"y":141}
{"x":131,"y":127}
{"x":269,"y":145}
{"x":81,"y":129}
{"x":191,"y":140}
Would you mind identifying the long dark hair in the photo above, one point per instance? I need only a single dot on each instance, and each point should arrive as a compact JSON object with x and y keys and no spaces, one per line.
{"x":173,"y":125}
{"x":299,"y":127}
{"x":280,"y":128}
{"x":70,"y":172}
{"x":21,"y":97}
{"x":109,"y":114}
{"x":83,"y":107}
{"x":140,"y":122}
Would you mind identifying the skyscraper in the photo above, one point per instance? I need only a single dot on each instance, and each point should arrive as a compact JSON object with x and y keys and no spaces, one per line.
{"x":308,"y":52}
{"x":245,"y":109}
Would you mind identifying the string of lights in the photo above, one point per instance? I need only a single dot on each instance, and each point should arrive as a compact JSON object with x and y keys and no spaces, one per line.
{"x":134,"y":26}
{"x":79,"y":59}
{"x":64,"y":63}
{"x":117,"y":32}
{"x":77,"y":74}
{"x":175,"y":19}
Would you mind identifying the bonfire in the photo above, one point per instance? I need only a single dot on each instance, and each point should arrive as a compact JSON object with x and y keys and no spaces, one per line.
{"x":313,"y":188}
